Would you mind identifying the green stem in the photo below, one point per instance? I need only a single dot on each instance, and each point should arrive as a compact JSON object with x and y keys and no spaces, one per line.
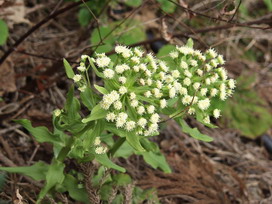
{"x":65,"y":150}
{"x":116,"y":146}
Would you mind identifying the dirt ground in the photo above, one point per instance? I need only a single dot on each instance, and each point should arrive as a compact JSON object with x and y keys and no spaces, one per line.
{"x":231,"y":169}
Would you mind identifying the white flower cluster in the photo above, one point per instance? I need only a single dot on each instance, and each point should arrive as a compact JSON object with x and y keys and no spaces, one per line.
{"x":99,"y":149}
{"x":140,"y":86}
{"x":201,"y":80}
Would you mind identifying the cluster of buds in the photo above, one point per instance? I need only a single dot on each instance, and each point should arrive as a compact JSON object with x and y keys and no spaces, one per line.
{"x":99,"y":149}
{"x":139,"y":86}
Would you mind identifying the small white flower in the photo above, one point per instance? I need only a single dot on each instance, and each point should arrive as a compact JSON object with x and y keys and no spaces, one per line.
{"x":175,"y":73}
{"x":223,"y":73}
{"x":162,"y":76}
{"x":196,"y":85}
{"x":150,"y":109}
{"x":207,"y":81}
{"x":207,"y":67}
{"x":126,"y":53}
{"x":81,"y":68}
{"x":122,"y":79}
{"x":150,"y":57}
{"x":119,"y":49}
{"x":186,"y":100}
{"x":187,"y":81}
{"x":159,"y":84}
{"x":195,"y":100}
{"x":220,"y":59}
{"x":183,"y":91}
{"x":223,"y":95}
{"x":147,"y":94}
{"x":110,"y":117}
{"x":163,"y":66}
{"x":103,"y":61}
{"x":154,"y":65}
{"x":77,"y":77}
{"x":153,"y":128}
{"x":185,"y":50}
{"x":211,"y":53}
{"x":114,"y":95}
{"x":155,"y":118}
{"x":122,"y":90}
{"x":134,"y":103}
{"x":130,"y":125}
{"x":191,"y":111}
{"x":188,"y":73}
{"x":140,"y":110}
{"x":214,"y":63}
{"x":108,"y":73}
{"x":121,"y":119}
{"x":135,"y":60}
{"x":57,"y":112}
{"x":157,"y":93}
{"x":207,"y":120}
{"x":232,"y":83}
{"x":142,"y":81}
{"x":177,"y":85}
{"x":97,"y":141}
{"x":183,"y":65}
{"x":172,"y":92}
{"x":117,"y":105}
{"x":136,"y":68}
{"x":173,"y":54}
{"x":204,"y":104}
{"x":163,"y":103}
{"x":216,"y":113}
{"x":142,"y":122}
{"x":138,"y":52}
{"x":222,"y":87}
{"x":214,"y":92}
{"x":169,"y":79}
{"x":82,"y":88}
{"x":84,"y":57}
{"x":199,"y":72}
{"x":132,"y":95}
{"x":203,"y":91}
{"x":148,"y":73}
{"x":100,"y":150}
{"x":149,"y":82}
{"x":193,"y":63}
{"x":143,"y":67}
{"x":105,"y":105}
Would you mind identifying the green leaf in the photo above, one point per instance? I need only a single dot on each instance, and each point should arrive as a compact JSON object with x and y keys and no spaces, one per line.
{"x":70,"y":183}
{"x":99,"y":34}
{"x":268,"y":3}
{"x":54,"y":176}
{"x":124,"y":151}
{"x":41,"y":133}
{"x":193,"y":132}
{"x":88,"y":98}
{"x":167,"y":6}
{"x":121,"y":179}
{"x":84,"y":17}
{"x":134,"y":141}
{"x":104,"y":160}
{"x":4,"y":32}
{"x":37,"y":171}
{"x":97,"y":113}
{"x":68,"y":69}
{"x":101,"y":89}
{"x":156,"y":160}
{"x":133,"y":3}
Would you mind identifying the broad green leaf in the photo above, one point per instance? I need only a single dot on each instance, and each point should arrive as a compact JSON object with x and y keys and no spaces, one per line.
{"x":133,"y":3}
{"x":156,"y":160}
{"x":100,"y":34}
{"x":41,"y":133}
{"x":54,"y":176}
{"x":268,"y":3}
{"x":88,"y":98}
{"x":193,"y":132}
{"x":70,"y":183}
{"x":121,"y":179}
{"x":96,"y":131}
{"x":134,"y":141}
{"x":37,"y":171}
{"x":167,"y":6}
{"x":101,"y":89}
{"x":4,"y":32}
{"x":68,"y":69}
{"x":84,"y":17}
{"x":124,"y":151}
{"x":97,"y":113}
{"x":104,"y":160}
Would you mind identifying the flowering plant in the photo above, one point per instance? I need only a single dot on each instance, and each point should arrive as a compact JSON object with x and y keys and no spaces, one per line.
{"x":138,"y":93}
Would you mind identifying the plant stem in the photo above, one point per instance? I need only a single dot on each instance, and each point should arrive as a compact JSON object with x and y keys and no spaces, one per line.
{"x":65,"y":150}
{"x":116,"y":146}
